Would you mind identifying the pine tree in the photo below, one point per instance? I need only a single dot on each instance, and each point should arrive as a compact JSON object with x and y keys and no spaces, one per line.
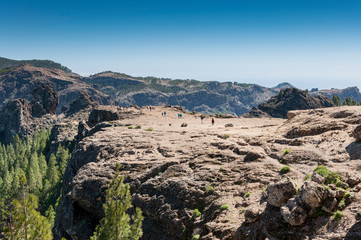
{"x":116,"y":224}
{"x":336,"y":100}
{"x":25,"y":222}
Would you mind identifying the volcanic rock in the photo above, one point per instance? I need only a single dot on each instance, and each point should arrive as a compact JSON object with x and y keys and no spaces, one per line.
{"x":45,"y":100}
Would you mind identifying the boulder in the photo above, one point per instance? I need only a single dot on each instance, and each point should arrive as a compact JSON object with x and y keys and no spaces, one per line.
{"x":184,"y":125}
{"x":312,"y":194}
{"x":45,"y":100}
{"x":317,"y":178}
{"x":329,"y":205}
{"x":293,"y":212}
{"x":228,"y":125}
{"x":253,"y":156}
{"x":277,"y":194}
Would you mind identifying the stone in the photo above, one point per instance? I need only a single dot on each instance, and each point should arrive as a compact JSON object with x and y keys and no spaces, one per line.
{"x":228,"y":125}
{"x":317,"y":178}
{"x":311,"y":194}
{"x":252,"y":214}
{"x":253,"y":156}
{"x":293,"y":212}
{"x":277,"y":194}
{"x":184,"y":125}
{"x":329,"y":205}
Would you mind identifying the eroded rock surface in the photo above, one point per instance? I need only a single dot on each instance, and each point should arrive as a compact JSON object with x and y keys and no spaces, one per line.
{"x":173,"y":170}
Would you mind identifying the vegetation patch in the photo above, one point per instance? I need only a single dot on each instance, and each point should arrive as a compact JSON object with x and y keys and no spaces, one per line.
{"x":149,"y":129}
{"x":337,"y":215}
{"x":285,"y":169}
{"x":224,"y":207}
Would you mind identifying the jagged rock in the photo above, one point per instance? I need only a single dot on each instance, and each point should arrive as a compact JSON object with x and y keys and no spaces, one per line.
{"x":184,"y":125}
{"x":317,"y":178}
{"x":228,"y":125}
{"x":329,"y":205}
{"x":293,"y":212}
{"x":83,"y":130}
{"x":45,"y":100}
{"x":353,"y":180}
{"x":293,"y":99}
{"x":357,"y":133}
{"x":103,"y":114}
{"x":253,"y":156}
{"x":252,"y":214}
{"x":83,"y":101}
{"x":16,"y":118}
{"x":277,"y":194}
{"x":257,"y":113}
{"x":315,"y":129}
{"x":311,"y":194}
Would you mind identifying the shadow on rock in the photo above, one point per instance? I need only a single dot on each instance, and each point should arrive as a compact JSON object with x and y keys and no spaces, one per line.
{"x":354,"y":232}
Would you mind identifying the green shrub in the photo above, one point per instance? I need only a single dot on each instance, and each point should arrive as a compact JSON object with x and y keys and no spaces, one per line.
{"x":342,"y":204}
{"x":149,"y":129}
{"x":196,"y":237}
{"x":248,"y":194}
{"x":196,"y":213}
{"x":224,"y":207}
{"x":130,"y":127}
{"x":337,"y":215}
{"x":225,"y":136}
{"x":308,"y":176}
{"x":285,"y":169}
{"x":347,"y":195}
{"x":285,"y":152}
{"x":138,"y":127}
{"x":322,"y":170}
{"x":209,"y":188}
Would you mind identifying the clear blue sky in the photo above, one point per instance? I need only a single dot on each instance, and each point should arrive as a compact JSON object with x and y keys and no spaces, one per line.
{"x":309,"y":43}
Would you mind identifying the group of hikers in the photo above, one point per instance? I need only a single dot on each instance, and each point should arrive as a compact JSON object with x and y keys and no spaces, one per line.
{"x":164,"y":114}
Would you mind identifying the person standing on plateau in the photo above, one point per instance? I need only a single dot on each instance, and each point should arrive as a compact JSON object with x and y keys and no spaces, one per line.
{"x":212,"y":121}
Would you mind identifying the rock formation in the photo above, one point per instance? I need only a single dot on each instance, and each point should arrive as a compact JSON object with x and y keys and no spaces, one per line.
{"x":45,"y":100}
{"x":289,"y":99}
{"x":82,"y":102}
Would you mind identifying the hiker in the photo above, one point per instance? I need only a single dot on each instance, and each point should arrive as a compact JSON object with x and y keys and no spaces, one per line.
{"x":165,"y":113}
{"x":212,"y":121}
{"x":202,"y":117}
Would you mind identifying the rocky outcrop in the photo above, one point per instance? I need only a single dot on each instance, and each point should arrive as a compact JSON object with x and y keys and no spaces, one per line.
{"x":102,"y":114}
{"x":15,"y":118}
{"x":290,"y":99}
{"x":82,"y":102}
{"x":45,"y":100}
{"x":20,"y":81}
{"x":172,"y":172}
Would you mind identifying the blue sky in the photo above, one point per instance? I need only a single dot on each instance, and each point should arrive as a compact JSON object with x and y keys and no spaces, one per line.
{"x":307,"y":43}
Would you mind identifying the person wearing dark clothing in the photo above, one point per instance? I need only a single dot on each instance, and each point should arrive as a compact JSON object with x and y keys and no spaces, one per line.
{"x":212,"y":121}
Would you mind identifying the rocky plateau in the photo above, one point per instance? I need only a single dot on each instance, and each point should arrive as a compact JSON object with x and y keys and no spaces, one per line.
{"x":229,"y":171}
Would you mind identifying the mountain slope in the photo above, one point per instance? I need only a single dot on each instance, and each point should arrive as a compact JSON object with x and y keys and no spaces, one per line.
{"x":352,"y":92}
{"x":207,"y":97}
{"x":20,"y":82}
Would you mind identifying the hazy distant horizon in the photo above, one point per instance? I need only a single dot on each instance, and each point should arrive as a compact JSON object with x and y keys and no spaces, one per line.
{"x":310,"y":44}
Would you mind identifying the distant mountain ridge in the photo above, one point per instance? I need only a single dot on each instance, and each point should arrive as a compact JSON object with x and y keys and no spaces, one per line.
{"x":210,"y":97}
{"x":10,"y":63}
{"x":201,"y":96}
